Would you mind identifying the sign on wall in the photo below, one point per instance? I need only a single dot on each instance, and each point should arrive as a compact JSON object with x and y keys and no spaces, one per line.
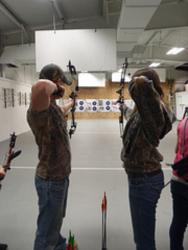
{"x":11,"y":98}
{"x":8,"y":97}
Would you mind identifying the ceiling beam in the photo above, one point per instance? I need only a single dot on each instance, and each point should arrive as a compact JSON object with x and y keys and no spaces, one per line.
{"x":105,"y":11}
{"x":142,"y":6}
{"x":57,"y":9}
{"x":7,"y":12}
{"x":1,"y":43}
{"x":170,"y":28}
{"x":173,"y":2}
{"x":58,"y":24}
{"x":14,"y":19}
{"x":151,"y":38}
{"x":114,"y":1}
{"x":159,"y":54}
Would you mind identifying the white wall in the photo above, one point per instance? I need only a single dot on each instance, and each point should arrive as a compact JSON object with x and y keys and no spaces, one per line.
{"x":14,"y":118}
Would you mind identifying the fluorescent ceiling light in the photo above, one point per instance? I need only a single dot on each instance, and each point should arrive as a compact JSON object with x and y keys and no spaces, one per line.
{"x":154,"y":64}
{"x":175,"y":51}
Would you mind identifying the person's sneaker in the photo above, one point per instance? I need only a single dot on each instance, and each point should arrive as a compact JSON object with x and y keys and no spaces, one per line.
{"x":3,"y":246}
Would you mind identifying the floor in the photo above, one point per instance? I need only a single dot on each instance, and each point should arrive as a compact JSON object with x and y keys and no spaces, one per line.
{"x":96,"y":168}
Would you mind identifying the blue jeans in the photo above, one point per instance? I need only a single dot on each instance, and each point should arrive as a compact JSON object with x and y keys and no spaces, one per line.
{"x":52,"y":199}
{"x":180,"y":215}
{"x":144,"y":193}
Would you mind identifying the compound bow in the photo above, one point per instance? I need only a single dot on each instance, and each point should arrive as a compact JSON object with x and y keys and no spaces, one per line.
{"x":11,"y":153}
{"x":121,"y":95}
{"x":73,"y":95}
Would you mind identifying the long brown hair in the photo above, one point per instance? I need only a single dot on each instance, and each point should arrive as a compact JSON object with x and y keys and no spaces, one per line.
{"x":151,"y":75}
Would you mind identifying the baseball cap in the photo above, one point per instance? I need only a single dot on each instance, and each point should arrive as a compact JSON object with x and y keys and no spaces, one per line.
{"x":52,"y":70}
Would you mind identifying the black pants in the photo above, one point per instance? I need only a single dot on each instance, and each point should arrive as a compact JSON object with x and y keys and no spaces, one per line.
{"x":180,"y":215}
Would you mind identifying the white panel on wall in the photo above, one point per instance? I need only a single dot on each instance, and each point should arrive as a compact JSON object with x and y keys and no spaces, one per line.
{"x":116,"y":76}
{"x":91,"y":80}
{"x":88,"y":50}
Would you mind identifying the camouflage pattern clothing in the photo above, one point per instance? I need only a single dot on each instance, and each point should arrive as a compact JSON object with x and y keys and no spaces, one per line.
{"x":149,"y":123}
{"x":50,"y":130}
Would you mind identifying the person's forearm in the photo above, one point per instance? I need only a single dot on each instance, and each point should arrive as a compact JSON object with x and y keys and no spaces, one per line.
{"x":41,"y":94}
{"x":49,"y":86}
{"x":127,"y":111}
{"x":2,"y":172}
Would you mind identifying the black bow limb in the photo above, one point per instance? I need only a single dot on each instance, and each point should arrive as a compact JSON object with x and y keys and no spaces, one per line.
{"x":185,"y":112}
{"x":120,"y":91}
{"x":11,"y":153}
{"x":73,"y":95}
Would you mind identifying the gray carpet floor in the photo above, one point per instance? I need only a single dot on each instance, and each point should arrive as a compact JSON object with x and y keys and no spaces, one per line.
{"x":96,"y":167}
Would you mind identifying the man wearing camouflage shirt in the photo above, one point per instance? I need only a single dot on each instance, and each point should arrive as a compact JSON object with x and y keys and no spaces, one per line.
{"x":48,"y":123}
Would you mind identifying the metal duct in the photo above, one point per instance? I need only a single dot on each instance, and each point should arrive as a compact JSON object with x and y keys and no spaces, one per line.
{"x":135,"y":16}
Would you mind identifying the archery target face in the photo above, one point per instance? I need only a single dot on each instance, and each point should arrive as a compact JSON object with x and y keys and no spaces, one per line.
{"x":100,"y":105}
{"x":94,"y":108}
{"x":95,"y":105}
{"x":107,"y":105}
{"x":81,"y":106}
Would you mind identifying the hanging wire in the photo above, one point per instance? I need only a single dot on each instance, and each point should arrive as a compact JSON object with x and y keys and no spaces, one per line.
{"x":22,"y":37}
{"x":54,"y":23}
{"x":53,"y":16}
